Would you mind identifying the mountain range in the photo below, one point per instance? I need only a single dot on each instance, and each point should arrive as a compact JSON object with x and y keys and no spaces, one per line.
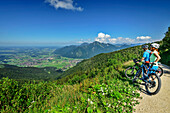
{"x":87,"y":50}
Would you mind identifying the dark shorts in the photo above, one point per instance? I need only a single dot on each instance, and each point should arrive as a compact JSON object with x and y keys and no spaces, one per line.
{"x":147,"y":64}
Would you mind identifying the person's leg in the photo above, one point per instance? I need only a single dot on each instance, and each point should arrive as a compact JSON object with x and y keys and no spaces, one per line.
{"x":145,"y":70}
{"x":154,"y":68}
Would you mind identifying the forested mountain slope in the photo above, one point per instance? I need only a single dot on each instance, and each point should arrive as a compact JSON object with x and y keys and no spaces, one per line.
{"x":28,"y":73}
{"x":87,"y":50}
{"x":165,"y":48}
{"x":90,"y":67}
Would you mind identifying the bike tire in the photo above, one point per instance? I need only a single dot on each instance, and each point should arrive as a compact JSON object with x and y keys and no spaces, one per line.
{"x":129,"y":73}
{"x":159,"y":71}
{"x":158,"y":82}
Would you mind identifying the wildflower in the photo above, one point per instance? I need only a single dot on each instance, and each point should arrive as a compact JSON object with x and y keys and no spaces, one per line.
{"x":32,"y":101}
{"x":94,"y":93}
{"x":88,"y":99}
{"x":91,"y":102}
{"x":101,"y":89}
{"x":133,"y":92}
{"x":109,"y":105}
{"x":103,"y":94}
{"x":75,"y":107}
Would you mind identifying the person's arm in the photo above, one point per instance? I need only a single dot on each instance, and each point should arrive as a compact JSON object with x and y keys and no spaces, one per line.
{"x":142,"y":59}
{"x":158,"y":57}
{"x":144,"y":56}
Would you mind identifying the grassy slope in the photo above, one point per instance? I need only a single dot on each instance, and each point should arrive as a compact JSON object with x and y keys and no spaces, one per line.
{"x":165,"y":48}
{"x":100,"y":62}
{"x":98,"y":86}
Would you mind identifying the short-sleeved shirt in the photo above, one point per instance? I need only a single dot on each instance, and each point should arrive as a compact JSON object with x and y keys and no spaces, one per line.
{"x":146,"y":55}
{"x":153,"y":58}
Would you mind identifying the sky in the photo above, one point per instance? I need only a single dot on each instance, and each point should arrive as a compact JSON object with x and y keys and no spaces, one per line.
{"x":70,"y":22}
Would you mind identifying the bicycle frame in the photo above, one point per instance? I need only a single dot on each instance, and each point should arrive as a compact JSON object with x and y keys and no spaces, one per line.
{"x":143,"y":75}
{"x":148,"y":77}
{"x":143,"y":72}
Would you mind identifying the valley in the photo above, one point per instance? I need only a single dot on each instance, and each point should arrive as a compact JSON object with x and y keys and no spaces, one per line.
{"x":35,"y":57}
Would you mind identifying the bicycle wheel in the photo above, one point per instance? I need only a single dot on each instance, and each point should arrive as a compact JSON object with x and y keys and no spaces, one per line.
{"x":159,"y":71}
{"x":153,"y":85}
{"x":130,"y":72}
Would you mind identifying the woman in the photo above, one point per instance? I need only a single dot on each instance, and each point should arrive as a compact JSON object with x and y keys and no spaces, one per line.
{"x":154,"y":58}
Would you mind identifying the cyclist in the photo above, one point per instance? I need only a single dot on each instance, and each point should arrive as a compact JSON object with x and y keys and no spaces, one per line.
{"x":146,"y":55}
{"x":145,"y":58}
{"x":154,"y":58}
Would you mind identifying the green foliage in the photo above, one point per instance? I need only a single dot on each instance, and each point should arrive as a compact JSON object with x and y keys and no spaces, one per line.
{"x":16,"y":97}
{"x":165,"y":48}
{"x":115,"y":96}
{"x":104,"y":70}
{"x":29,"y":73}
{"x":97,"y":64}
{"x":166,"y":40}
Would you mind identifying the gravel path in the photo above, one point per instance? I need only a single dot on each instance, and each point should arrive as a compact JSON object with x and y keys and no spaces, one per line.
{"x":159,"y":103}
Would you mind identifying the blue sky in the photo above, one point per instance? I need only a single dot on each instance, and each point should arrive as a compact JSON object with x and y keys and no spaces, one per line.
{"x":65,"y":22}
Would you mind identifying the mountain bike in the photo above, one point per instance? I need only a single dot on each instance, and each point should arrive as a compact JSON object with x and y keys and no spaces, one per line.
{"x":149,"y":77}
{"x":159,"y":71}
{"x":131,"y":71}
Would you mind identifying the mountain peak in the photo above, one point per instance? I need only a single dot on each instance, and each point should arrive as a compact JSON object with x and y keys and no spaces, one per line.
{"x":87,"y":50}
{"x":96,"y":42}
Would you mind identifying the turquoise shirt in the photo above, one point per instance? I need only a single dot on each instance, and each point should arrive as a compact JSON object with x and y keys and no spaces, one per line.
{"x":146,"y":55}
{"x":153,"y":58}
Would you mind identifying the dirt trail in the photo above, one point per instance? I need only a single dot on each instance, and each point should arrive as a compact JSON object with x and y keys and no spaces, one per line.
{"x":159,"y":103}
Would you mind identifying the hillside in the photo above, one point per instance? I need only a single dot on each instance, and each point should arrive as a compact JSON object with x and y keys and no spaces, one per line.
{"x":87,"y":50}
{"x":28,"y":73}
{"x":165,"y":48}
{"x":89,"y":67}
{"x":93,"y":85}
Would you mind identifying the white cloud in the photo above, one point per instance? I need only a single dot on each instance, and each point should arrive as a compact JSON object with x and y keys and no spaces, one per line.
{"x":65,"y":4}
{"x":112,"y":40}
{"x":143,"y":37}
{"x":106,"y":38}
{"x":103,"y":38}
{"x":125,"y":40}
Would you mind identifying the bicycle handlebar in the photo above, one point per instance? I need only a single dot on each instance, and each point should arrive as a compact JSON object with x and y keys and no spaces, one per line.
{"x":135,"y":61}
